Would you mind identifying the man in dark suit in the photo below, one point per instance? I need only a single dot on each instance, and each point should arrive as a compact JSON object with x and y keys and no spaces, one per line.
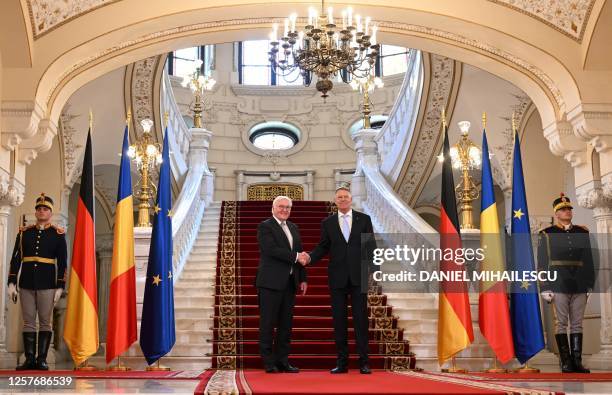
{"x":341,"y":237}
{"x":279,"y":276}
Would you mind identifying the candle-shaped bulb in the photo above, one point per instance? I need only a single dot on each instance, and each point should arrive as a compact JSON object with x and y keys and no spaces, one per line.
{"x":373,"y":38}
{"x":350,"y":17}
{"x":367,"y":25}
{"x":358,"y":22}
{"x":343,"y":19}
{"x":293,"y":18}
{"x":330,"y":15}
{"x":286,"y":33}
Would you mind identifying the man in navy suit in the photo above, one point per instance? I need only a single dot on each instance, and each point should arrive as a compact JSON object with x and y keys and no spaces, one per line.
{"x":341,"y":237}
{"x":279,"y":276}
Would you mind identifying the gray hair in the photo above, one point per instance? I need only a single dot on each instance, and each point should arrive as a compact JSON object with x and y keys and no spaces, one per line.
{"x":279,"y":198}
{"x":343,"y":188}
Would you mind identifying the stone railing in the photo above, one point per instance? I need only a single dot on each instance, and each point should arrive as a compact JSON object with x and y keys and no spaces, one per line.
{"x":181,"y":134}
{"x":394,"y":138}
{"x":375,"y":196}
{"x":196,"y":193}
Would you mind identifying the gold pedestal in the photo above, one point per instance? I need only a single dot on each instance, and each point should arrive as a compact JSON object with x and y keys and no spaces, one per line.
{"x":157,"y":367}
{"x":495,"y":368}
{"x":119,"y":367}
{"x":454,"y":369}
{"x":86,"y":367}
{"x":527,"y":369}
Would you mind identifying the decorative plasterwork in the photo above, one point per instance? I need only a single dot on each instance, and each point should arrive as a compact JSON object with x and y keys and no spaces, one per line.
{"x":69,"y":147}
{"x":11,"y":190}
{"x":428,"y":137}
{"x":141,"y":89}
{"x":47,"y":15}
{"x":502,"y":174}
{"x":519,"y":63}
{"x":569,"y":17}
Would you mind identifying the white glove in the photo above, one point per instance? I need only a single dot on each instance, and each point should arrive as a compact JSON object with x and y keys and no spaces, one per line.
{"x":547,"y":296}
{"x":12,"y":292}
{"x":57,"y":295}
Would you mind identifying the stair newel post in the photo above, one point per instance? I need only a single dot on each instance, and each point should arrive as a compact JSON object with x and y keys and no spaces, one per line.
{"x":198,"y":157}
{"x":367,"y":157}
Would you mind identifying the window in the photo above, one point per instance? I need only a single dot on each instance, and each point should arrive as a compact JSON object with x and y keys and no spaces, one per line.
{"x":179,"y":62}
{"x":274,"y":136}
{"x":376,"y":122}
{"x":255,"y":67}
{"x":391,"y":60}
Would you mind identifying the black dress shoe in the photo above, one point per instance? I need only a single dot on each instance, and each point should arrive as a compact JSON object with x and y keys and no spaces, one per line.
{"x":272,"y":369}
{"x":288,"y":369}
{"x":365,"y":369}
{"x":339,"y":370}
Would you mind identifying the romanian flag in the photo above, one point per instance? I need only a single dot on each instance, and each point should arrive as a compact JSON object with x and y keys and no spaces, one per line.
{"x":121,"y":324}
{"x":455,"y":331}
{"x":493,"y":314}
{"x":157,"y":331}
{"x":524,"y":304}
{"x":81,"y":326}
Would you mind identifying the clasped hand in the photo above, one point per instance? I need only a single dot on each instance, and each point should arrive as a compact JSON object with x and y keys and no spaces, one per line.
{"x":303,"y":258}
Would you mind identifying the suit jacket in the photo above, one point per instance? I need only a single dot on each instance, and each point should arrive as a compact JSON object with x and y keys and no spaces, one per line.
{"x":348,"y":260}
{"x":276,"y":257}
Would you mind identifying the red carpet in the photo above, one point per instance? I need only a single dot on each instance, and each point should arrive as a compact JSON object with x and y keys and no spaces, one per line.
{"x":321,"y":382}
{"x":237,"y":315}
{"x":107,"y":374}
{"x":577,"y":377}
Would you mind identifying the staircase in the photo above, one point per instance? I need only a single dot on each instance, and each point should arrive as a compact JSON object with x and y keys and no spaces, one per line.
{"x":236,"y":314}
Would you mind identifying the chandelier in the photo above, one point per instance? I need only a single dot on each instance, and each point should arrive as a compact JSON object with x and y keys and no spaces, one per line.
{"x":326,"y":46}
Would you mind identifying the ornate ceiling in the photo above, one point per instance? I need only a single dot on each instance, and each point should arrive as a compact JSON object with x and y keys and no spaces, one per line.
{"x":569,"y":17}
{"x":566,"y":16}
{"x":47,"y":15}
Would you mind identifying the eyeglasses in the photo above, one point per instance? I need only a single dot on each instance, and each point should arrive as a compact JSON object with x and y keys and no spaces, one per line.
{"x":284,"y":207}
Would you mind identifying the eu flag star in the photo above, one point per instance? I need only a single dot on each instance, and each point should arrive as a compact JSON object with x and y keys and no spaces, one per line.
{"x":157,"y":209}
{"x":525,"y":285}
{"x":170,"y":213}
{"x":156,"y":280}
{"x":518,"y":213}
{"x":169,"y":274}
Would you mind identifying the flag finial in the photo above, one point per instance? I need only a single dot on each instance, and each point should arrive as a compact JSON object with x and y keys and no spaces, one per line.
{"x":513,"y":122}
{"x":484,"y":120}
{"x":443,"y":118}
{"x":90,"y":119}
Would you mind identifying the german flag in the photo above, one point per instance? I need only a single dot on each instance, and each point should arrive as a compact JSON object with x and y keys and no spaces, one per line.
{"x":121,"y":324}
{"x":455,"y":331}
{"x":81,"y":328}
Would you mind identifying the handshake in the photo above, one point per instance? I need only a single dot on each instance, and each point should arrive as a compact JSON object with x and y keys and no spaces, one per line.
{"x":303,"y":258}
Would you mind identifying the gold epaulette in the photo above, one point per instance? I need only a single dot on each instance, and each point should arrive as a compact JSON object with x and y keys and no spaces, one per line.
{"x":59,"y":229}
{"x":543,"y":229}
{"x":24,"y":228}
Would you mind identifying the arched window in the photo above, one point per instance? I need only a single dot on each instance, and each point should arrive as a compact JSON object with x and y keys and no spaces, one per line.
{"x":274,"y":136}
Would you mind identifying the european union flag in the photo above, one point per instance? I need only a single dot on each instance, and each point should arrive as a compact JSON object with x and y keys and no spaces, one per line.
{"x":157,"y":332}
{"x":524,"y":305}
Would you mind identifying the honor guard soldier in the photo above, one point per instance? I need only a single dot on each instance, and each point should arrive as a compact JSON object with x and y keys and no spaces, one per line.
{"x":38,"y":274}
{"x":565,"y":249}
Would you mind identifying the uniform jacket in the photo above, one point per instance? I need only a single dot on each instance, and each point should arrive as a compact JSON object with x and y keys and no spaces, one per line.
{"x":41,"y":256}
{"x":568,"y":253}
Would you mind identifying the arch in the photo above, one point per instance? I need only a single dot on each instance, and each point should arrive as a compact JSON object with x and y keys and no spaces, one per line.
{"x":506,"y":54}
